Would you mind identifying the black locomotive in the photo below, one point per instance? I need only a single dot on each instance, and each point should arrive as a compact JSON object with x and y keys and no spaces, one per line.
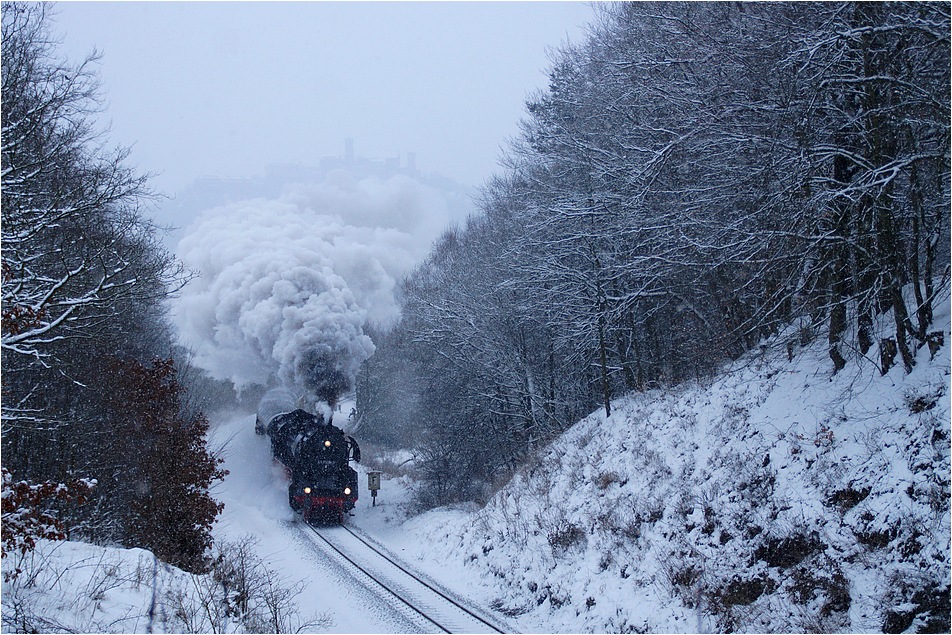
{"x":316,"y":454}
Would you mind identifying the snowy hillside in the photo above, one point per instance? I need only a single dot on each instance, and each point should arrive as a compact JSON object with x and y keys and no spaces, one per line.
{"x":778,"y":498}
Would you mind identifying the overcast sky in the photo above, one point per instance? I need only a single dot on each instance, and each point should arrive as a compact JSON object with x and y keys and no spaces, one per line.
{"x":226,"y":88}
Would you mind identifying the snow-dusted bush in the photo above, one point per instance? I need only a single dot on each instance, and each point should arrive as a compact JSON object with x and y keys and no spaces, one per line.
{"x":77,"y":587}
{"x":28,"y":515}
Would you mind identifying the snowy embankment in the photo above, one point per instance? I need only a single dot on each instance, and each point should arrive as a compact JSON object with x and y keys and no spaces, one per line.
{"x":776,"y":498}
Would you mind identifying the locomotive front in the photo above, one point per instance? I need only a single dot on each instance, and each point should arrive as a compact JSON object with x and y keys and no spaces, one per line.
{"x":323,"y":486}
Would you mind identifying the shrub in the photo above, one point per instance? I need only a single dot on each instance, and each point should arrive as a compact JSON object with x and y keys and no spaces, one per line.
{"x":166,"y":469}
{"x":26,"y":512}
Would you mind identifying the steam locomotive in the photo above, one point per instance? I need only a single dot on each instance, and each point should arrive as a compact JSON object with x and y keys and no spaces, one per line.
{"x":316,"y":453}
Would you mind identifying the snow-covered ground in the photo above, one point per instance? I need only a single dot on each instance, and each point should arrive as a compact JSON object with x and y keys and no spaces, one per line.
{"x":776,"y":498}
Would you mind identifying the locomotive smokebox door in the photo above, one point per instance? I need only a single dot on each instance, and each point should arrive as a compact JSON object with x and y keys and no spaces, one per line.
{"x":373,"y":484}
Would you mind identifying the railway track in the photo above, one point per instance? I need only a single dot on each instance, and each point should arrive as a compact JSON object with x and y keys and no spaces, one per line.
{"x":433,"y":609}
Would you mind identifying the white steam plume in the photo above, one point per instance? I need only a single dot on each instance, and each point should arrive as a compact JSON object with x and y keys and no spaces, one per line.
{"x":286,"y":286}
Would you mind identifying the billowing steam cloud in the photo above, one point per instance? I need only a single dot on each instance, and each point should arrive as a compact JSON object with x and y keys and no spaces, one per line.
{"x":286,"y":286}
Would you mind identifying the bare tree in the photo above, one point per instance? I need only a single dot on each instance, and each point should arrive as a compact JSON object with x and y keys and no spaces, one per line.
{"x":74,"y":241}
{"x":874,"y":113}
{"x":695,"y":177}
{"x":84,"y":276}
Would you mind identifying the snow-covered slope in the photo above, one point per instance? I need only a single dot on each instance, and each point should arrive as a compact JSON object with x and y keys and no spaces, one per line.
{"x":777,"y":498}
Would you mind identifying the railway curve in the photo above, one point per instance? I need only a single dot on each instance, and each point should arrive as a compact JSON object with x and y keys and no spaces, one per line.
{"x":433,"y":609}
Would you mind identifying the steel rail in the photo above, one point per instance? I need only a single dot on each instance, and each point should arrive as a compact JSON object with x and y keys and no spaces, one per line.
{"x":410,"y":574}
{"x":377,"y":580}
{"x":423,"y":582}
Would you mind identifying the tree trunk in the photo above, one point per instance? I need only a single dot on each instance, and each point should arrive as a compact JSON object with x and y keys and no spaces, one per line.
{"x":902,"y":325}
{"x":837,"y":327}
{"x":603,"y":353}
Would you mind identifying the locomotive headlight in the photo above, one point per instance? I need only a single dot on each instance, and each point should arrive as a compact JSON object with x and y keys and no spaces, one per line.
{"x":346,"y":491}
{"x":327,"y":443}
{"x":307,"y":490}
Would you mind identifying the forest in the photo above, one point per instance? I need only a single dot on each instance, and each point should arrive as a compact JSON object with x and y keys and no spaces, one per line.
{"x":696,"y":177}
{"x":91,"y":377}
